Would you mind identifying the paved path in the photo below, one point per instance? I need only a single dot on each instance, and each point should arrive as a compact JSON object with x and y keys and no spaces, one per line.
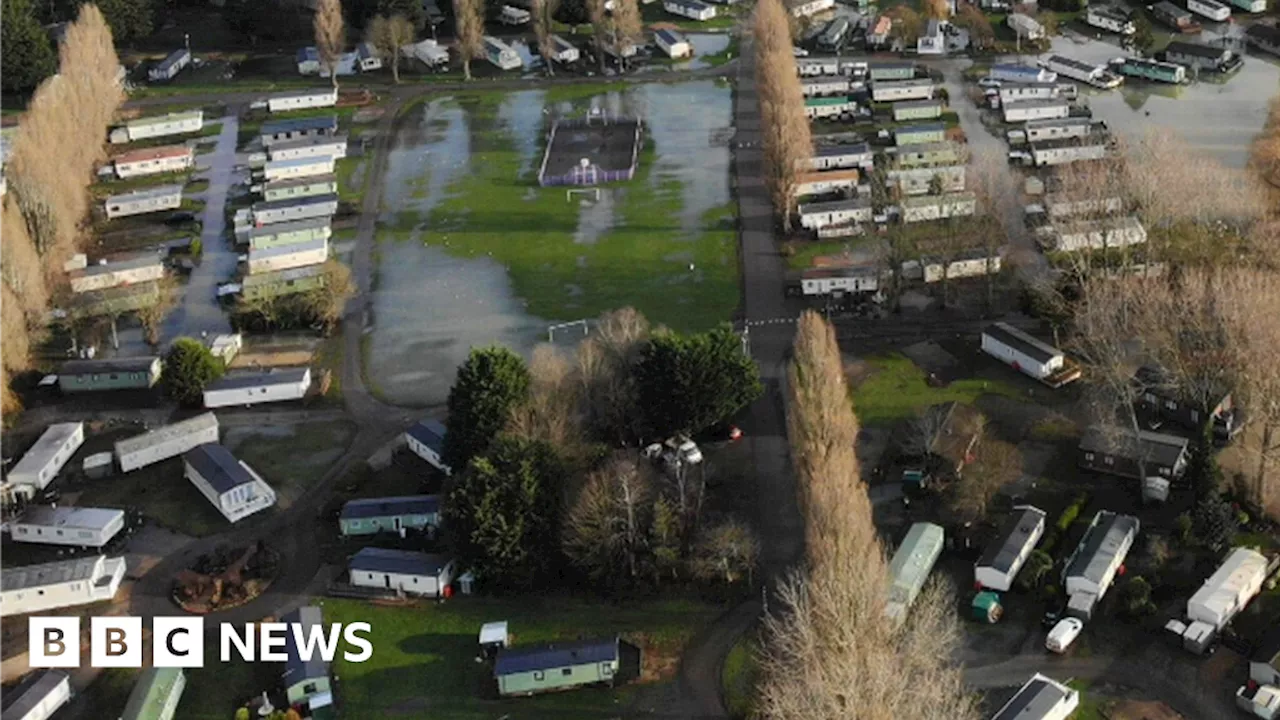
{"x":198,"y":310}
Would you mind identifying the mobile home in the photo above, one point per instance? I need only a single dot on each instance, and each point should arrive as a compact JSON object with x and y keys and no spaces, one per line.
{"x":894,"y":90}
{"x":920,"y":180}
{"x":306,"y":681}
{"x":917,"y":110}
{"x":1110,"y":18}
{"x":302,"y":100}
{"x":1069,"y":150}
{"x":920,"y":134}
{"x":1237,"y":581}
{"x":910,"y":567}
{"x":826,"y":183}
{"x":1096,"y":560}
{"x":673,"y":43}
{"x":1024,"y":110}
{"x":807,"y":8}
{"x":1211,"y":9}
{"x":180,"y":123}
{"x":294,"y":232}
{"x":152,"y":161}
{"x":168,"y":68}
{"x":74,"y":526}
{"x":1006,"y":554}
{"x":882,"y":70}
{"x":816,"y":216}
{"x":1117,"y":451}
{"x":565,"y":51}
{"x":1096,"y":75}
{"x":64,"y":583}
{"x":411,"y":573}
{"x":825,"y":108}
{"x":834,"y":34}
{"x":1214,"y":407}
{"x":38,"y":696}
{"x":425,"y":439}
{"x":138,"y":373}
{"x":1023,"y":352}
{"x":1016,"y":92}
{"x":1021,"y":73}
{"x":825,"y":86}
{"x":306,"y":208}
{"x":297,"y":168}
{"x":501,"y":55}
{"x":283,"y":257}
{"x":1175,"y":17}
{"x":1106,"y":233}
{"x":166,"y":442}
{"x":1153,"y":70}
{"x":316,"y":146}
{"x":156,"y":694}
{"x":128,"y":269}
{"x":1198,"y":57}
{"x":839,"y":280}
{"x":938,"y":207}
{"x":1025,"y":26}
{"x":300,"y":187}
{"x":282,"y":282}
{"x":42,"y":463}
{"x":514,"y":16}
{"x":841,"y":157}
{"x":230,"y":485}
{"x":141,"y":202}
{"x":274,"y":385}
{"x":1265,"y":38}
{"x":1071,"y":127}
{"x":1040,"y":698}
{"x":282,"y":131}
{"x":370,"y":516}
{"x":1251,"y":6}
{"x":556,"y":666}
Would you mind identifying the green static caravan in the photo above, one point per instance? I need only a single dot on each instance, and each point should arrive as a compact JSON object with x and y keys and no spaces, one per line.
{"x":922,"y":134}
{"x":295,"y":188}
{"x":116,"y":300}
{"x":306,"y":680}
{"x":282,"y":282}
{"x":1153,"y":70}
{"x":156,"y":695}
{"x":891,"y":70}
{"x":910,"y":567}
{"x":370,"y":516}
{"x":917,"y":110}
{"x":927,"y":155}
{"x":290,"y":233}
{"x":138,"y":373}
{"x":556,"y":666}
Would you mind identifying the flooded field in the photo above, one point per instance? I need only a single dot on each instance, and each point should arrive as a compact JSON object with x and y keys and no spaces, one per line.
{"x":473,"y":251}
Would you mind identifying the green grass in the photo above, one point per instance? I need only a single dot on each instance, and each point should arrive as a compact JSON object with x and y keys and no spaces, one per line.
{"x":105,"y":188}
{"x":642,"y":260}
{"x":738,"y":677}
{"x":1091,"y":707}
{"x":293,"y":459}
{"x":423,"y":657}
{"x":806,"y":252}
{"x":724,"y":56}
{"x":348,"y":189}
{"x":896,"y":389}
{"x":163,"y":494}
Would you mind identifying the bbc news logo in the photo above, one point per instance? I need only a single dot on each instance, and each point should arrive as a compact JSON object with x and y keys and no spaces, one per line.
{"x":117,"y":641}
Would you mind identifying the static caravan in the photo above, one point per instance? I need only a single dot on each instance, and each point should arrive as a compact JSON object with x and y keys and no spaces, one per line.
{"x":930,"y":154}
{"x":825,"y":86}
{"x":1040,"y":698}
{"x":1017,"y":92}
{"x":1152,"y":70}
{"x":891,"y":70}
{"x":1021,"y":73}
{"x":932,"y":41}
{"x":1110,"y":18}
{"x":920,"y":134}
{"x":839,"y":280}
{"x":129,"y":269}
{"x":428,"y":52}
{"x":514,"y":16}
{"x":168,"y":68}
{"x":226,"y":347}
{"x":1023,"y":352}
{"x":156,"y":695}
{"x":1024,"y":110}
{"x":1096,"y":75}
{"x":806,"y":8}
{"x":921,"y":180}
{"x":808,"y":67}
{"x":334,"y":146}
{"x":152,"y":161}
{"x":370,"y":516}
{"x":141,"y":202}
{"x":556,"y":666}
{"x":565,"y":51}
{"x":117,"y":300}
{"x":282,"y":282}
{"x":1068,"y":150}
{"x":1077,"y":127}
{"x":294,"y":232}
{"x":917,"y":110}
{"x":1264,"y":662}
{"x":300,"y":187}
{"x":938,"y":207}
{"x":74,"y":526}
{"x":138,"y":373}
{"x":302,"y":100}
{"x":1265,"y":38}
{"x":425,"y":439}
{"x":65,"y":583}
{"x":274,"y":385}
{"x":502,"y":55}
{"x":1117,"y":452}
{"x":283,"y":257}
{"x":1251,"y":6}
{"x":1059,"y":206}
{"x":293,"y":209}
{"x":826,"y":183}
{"x":1213,"y":407}
{"x":166,"y":442}
{"x":1107,"y":233}
{"x":367,"y":57}
{"x":297,"y":168}
{"x":281,"y":131}
{"x":1211,"y":9}
{"x":180,"y":123}
{"x":308,"y":59}
{"x":306,"y":681}
{"x":674,"y":44}
{"x":1006,"y":554}
{"x":894,"y":90}
{"x":1096,"y":560}
{"x":816,"y":216}
{"x":910,"y":567}
{"x":1198,"y":57}
{"x":38,"y":696}
{"x":411,"y":573}
{"x":230,"y":485}
{"x":826,"y":108}
{"x":42,"y":463}
{"x":834,"y":34}
{"x":966,"y":264}
{"x":841,"y":157}
{"x":1175,"y":17}
{"x":1025,"y":26}
{"x":1237,"y":581}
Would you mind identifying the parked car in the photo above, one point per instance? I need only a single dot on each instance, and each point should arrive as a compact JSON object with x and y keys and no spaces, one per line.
{"x":1063,"y":634}
{"x":988,"y":82}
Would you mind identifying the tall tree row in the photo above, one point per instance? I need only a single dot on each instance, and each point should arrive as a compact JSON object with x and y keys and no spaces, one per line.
{"x":331,"y":36}
{"x":543,"y":12}
{"x":51,"y":163}
{"x":468,"y":18}
{"x":829,"y":650}
{"x":787,"y":140}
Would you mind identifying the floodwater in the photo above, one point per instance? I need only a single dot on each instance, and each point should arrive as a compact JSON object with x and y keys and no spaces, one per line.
{"x":429,"y":307}
{"x":1219,"y":114}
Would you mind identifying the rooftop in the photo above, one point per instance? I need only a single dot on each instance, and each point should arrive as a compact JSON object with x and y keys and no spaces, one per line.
{"x":158,"y":191}
{"x":151,"y":693}
{"x":835,"y":206}
{"x":1014,"y":535}
{"x":276,"y":127}
{"x":174,"y":58}
{"x":1179,"y":47}
{"x":22,"y":700}
{"x":931,"y":200}
{"x":838,"y":272}
{"x":310,"y":141}
{"x":295,"y":668}
{"x":267,"y":205}
{"x":1168,"y":8}
{"x":914,"y":104}
{"x":914,"y":558}
{"x":51,"y":573}
{"x":301,"y":94}
{"x":1037,"y":699}
{"x":670,"y":37}
{"x":400,"y":562}
{"x":298,"y":162}
{"x":290,"y":249}
{"x":277,"y":276}
{"x":1102,"y":546}
{"x":839,"y":150}
{"x":50,"y":442}
{"x":218,"y":467}
{"x":1071,"y":63}
{"x":84,"y":518}
{"x":428,"y":432}
{"x":1158,"y":447}
{"x":164,"y":434}
{"x":910,"y":82}
{"x":111,"y":365}
{"x":1022,"y":342}
{"x":1264,"y":33}
{"x":171,"y":117}
{"x":555,"y":655}
{"x":132,"y":261}
{"x":922,"y":127}
{"x":272,"y":376}
{"x":390,"y":506}
{"x":322,"y":179}
{"x":155,"y":153}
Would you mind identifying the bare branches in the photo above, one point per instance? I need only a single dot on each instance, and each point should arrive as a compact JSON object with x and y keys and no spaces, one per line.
{"x":543,"y":12}
{"x":787,"y":141}
{"x":628,"y":28}
{"x":608,"y":525}
{"x":331,"y":36}
{"x":726,"y":552}
{"x":390,"y":35}
{"x":551,"y":413}
{"x":468,"y":16}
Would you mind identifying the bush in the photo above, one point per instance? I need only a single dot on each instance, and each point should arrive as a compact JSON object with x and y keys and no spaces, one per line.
{"x":197,"y":246}
{"x":1182,"y":527}
{"x":1072,"y":512}
{"x":1038,"y":566}
{"x":1136,"y":597}
{"x":188,"y":368}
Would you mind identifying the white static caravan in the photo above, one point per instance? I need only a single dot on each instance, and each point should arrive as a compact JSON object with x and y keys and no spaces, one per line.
{"x":1040,"y":130}
{"x":970,"y":263}
{"x":334,"y":146}
{"x":151,"y":161}
{"x":1097,"y":234}
{"x":426,"y":439}
{"x":565,"y":51}
{"x":514,"y":16}
{"x":283,"y":257}
{"x":808,"y":67}
{"x":894,"y":90}
{"x":166,"y":442}
{"x":826,"y":183}
{"x":1021,"y":73}
{"x":1094,"y":563}
{"x":297,"y":168}
{"x":1059,"y":206}
{"x":819,"y":108}
{"x":1110,"y":18}
{"x":692,"y":9}
{"x":74,"y":526}
{"x":1069,"y":150}
{"x":135,"y":268}
{"x":841,"y":157}
{"x":910,"y":567}
{"x":806,"y":8}
{"x":674,"y":44}
{"x":1229,"y":589}
{"x":412,"y":573}
{"x":816,"y":216}
{"x":832,"y":281}
{"x":917,"y":180}
{"x":302,"y":100}
{"x":37,"y":697}
{"x":1211,"y":9}
{"x":42,"y":463}
{"x":1039,"y":109}
{"x":1252,"y":6}
{"x":824,"y":86}
{"x":283,"y":131}
{"x":1016,"y":92}
{"x":179,"y":123}
{"x":938,"y":207}
{"x":141,"y":202}
{"x":1040,"y":698}
{"x":65,"y":583}
{"x":230,"y":485}
{"x":169,"y":68}
{"x":502,"y":55}
{"x":1021,"y":351}
{"x":279,"y":211}
{"x":275,"y":385}
{"x":1006,"y":554}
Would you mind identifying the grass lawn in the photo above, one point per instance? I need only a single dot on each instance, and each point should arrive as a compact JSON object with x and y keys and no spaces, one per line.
{"x":806,"y":252}
{"x":738,"y":677}
{"x":104,"y":188}
{"x":895,"y":388}
{"x":641,"y":257}
{"x":423,"y":657}
{"x":163,"y":494}
{"x":352,"y":179}
{"x":724,"y":56}
{"x":292,"y":458}
{"x":1091,"y":706}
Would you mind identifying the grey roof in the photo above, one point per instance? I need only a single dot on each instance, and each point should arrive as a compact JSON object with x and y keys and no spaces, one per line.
{"x":1159,"y":448}
{"x":301,"y":181}
{"x":555,"y":655}
{"x":218,"y":467}
{"x":1016,"y":68}
{"x":835,"y":206}
{"x":290,"y":249}
{"x":299,"y":161}
{"x":310,"y":141}
{"x":1013,"y":538}
{"x":276,"y":127}
{"x":922,"y":127}
{"x":84,"y":518}
{"x":1058,"y":122}
{"x":428,"y":432}
{"x":390,"y":506}
{"x":1264,"y":33}
{"x":295,"y":202}
{"x":401,"y":562}
{"x":291,"y":226}
{"x":908,"y":82}
{"x":1037,"y":698}
{"x":1101,"y":544}
{"x":164,"y":434}
{"x":295,"y":668}
{"x":112,"y":365}
{"x":1179,"y":47}
{"x":1109,"y":11}
{"x":127,"y":262}
{"x":839,"y":150}
{"x":670,"y":37}
{"x":46,"y":447}
{"x":1169,"y":9}
{"x":1071,"y":63}
{"x":174,"y":58}
{"x":913,"y":104}
{"x":273,"y":376}
{"x":1022,"y":342}
{"x":1037,"y":102}
{"x":50,"y":573}
{"x":302,"y":93}
{"x":688,"y":4}
{"x":287,"y":275}
{"x":20,"y":700}
{"x":146,"y":194}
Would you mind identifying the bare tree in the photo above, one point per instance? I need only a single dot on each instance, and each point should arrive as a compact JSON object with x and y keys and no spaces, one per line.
{"x":937,"y":9}
{"x":996,"y":192}
{"x":726,"y":552}
{"x":543,"y":21}
{"x":468,"y":16}
{"x":551,"y":413}
{"x":331,"y":36}
{"x":787,"y":142}
{"x":605,"y":362}
{"x":152,"y":316}
{"x":600,"y":30}
{"x":998,"y":463}
{"x":628,"y":28}
{"x":606,"y":529}
{"x":327,"y":303}
{"x":390,"y":35}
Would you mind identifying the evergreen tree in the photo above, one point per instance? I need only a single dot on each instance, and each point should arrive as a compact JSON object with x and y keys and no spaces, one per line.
{"x":188,"y":368}
{"x":25,"y":50}
{"x":490,"y":384}
{"x":130,"y":20}
{"x":691,"y":382}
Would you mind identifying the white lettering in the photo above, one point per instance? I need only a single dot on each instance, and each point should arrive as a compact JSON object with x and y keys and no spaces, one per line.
{"x":273,"y":637}
{"x":350,"y":634}
{"x":307,"y":638}
{"x":229,"y":637}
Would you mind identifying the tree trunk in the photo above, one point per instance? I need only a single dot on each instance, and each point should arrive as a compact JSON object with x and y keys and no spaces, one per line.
{"x":1267,"y":430}
{"x":115,"y":336}
{"x":395,"y":66}
{"x":466,"y":69}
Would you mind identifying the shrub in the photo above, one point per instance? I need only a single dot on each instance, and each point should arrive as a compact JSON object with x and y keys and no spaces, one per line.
{"x":1182,"y":527}
{"x":197,"y":246}
{"x":1072,"y":512}
{"x":1136,"y":597}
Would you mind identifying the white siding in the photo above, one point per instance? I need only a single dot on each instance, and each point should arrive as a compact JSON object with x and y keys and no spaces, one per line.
{"x":84,"y":536}
{"x":424,"y":585}
{"x":102,"y":585}
{"x":239,"y":502}
{"x":308,"y":256}
{"x":45,"y":459}
{"x":1019,"y":360}
{"x":177,"y":124}
{"x":123,"y":276}
{"x":425,"y":453}
{"x":320,"y":98}
{"x":265,"y":393}
{"x":136,"y":168}
{"x":330,"y":147}
{"x":166,"y":442}
{"x":60,"y":695}
{"x":296,"y":168}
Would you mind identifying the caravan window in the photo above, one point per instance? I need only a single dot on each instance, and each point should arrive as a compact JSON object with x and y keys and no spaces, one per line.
{"x":539,"y":675}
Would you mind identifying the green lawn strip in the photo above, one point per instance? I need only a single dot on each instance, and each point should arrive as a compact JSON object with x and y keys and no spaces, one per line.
{"x":423,"y":657}
{"x":895,"y":388}
{"x":1091,"y":707}
{"x":106,"y":188}
{"x":642,"y":261}
{"x":291,"y":461}
{"x":351,"y":184}
{"x":163,"y":494}
{"x":738,"y":677}
{"x":806,"y":252}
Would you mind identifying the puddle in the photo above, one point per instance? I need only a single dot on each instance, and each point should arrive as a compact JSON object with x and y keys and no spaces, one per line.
{"x":682,"y":120}
{"x":438,"y":144}
{"x":595,"y":219}
{"x":521,"y":113}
